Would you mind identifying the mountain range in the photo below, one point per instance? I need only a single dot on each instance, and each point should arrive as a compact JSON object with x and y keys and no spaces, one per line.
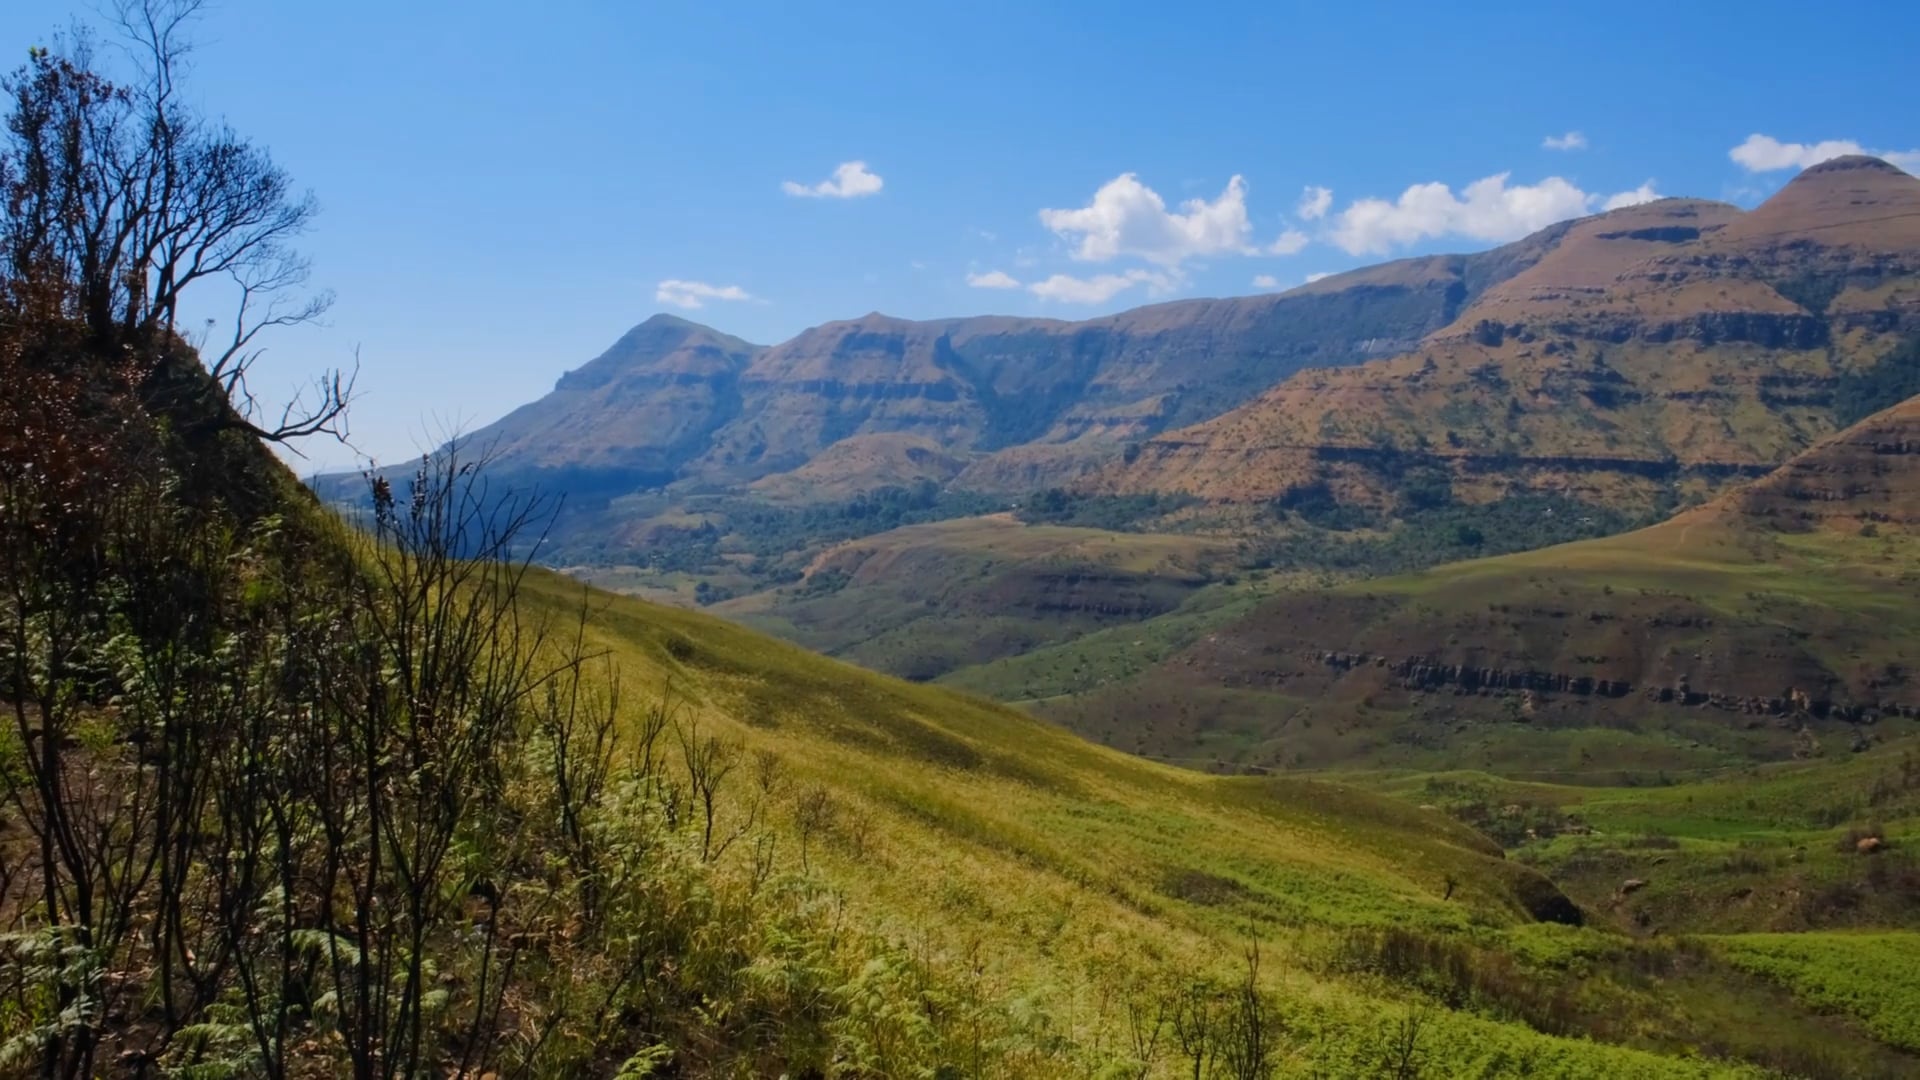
{"x":1001,"y":403}
{"x":1612,"y":369}
{"x":1676,"y":345}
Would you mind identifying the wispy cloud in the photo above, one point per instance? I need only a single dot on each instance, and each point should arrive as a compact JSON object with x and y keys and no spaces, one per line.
{"x":1290,"y":242}
{"x":1265,"y":281}
{"x":1572,"y":140}
{"x":1314,"y":203}
{"x":1311,"y":278}
{"x":993,"y":279}
{"x":850,"y":180}
{"x":1098,"y":289}
{"x":695,"y":294}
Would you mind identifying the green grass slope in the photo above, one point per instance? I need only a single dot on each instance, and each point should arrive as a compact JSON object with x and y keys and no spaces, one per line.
{"x":1803,"y":874}
{"x":1792,"y":846}
{"x":923,"y":600}
{"x":1068,"y":876}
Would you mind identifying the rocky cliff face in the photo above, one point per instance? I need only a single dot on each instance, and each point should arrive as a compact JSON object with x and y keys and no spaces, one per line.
{"x":1420,"y":674}
{"x":1676,"y":343}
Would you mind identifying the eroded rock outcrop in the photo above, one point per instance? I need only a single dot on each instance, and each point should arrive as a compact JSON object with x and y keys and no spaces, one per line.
{"x":1425,"y":674}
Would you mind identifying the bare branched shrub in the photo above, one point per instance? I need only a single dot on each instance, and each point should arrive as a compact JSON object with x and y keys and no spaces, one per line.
{"x":1403,"y":1055}
{"x":120,"y":200}
{"x":709,"y":760}
{"x":814,"y":814}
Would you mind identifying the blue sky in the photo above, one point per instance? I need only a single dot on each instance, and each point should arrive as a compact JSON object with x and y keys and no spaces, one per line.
{"x":508,"y":187}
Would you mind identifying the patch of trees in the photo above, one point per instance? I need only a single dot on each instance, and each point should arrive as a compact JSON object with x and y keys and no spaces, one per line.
{"x":1115,"y":513}
{"x":1316,"y":504}
{"x":1811,"y":290}
{"x":1436,"y":535}
{"x":773,"y":534}
{"x":824,"y":583}
{"x":769,"y":530}
{"x":1861,"y":393}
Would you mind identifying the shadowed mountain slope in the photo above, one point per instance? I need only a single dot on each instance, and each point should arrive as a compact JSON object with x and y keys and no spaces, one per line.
{"x":631,"y":415}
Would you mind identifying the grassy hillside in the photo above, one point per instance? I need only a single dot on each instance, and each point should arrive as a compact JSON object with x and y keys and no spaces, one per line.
{"x":923,"y":600}
{"x":1017,"y":605}
{"x":1775,"y":622}
{"x":1801,"y":873}
{"x":695,"y":850}
{"x":1065,"y":874}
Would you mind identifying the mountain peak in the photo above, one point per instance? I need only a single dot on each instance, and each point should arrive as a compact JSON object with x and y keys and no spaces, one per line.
{"x":662,"y":342}
{"x":665,"y":321}
{"x":1855,"y":202}
{"x":1859,"y":176}
{"x":1851,"y":163}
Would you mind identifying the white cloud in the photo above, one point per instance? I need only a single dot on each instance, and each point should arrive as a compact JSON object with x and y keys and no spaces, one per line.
{"x":993,"y":279}
{"x":850,"y":180}
{"x":1572,"y":140}
{"x":1642,"y":194}
{"x":1764,"y":153}
{"x":1265,"y":281}
{"x":1487,"y":209}
{"x":695,"y":294}
{"x":1290,"y":242}
{"x":1314,"y":203}
{"x":1127,"y":217}
{"x":1100,"y":288}
{"x":1311,"y":278}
